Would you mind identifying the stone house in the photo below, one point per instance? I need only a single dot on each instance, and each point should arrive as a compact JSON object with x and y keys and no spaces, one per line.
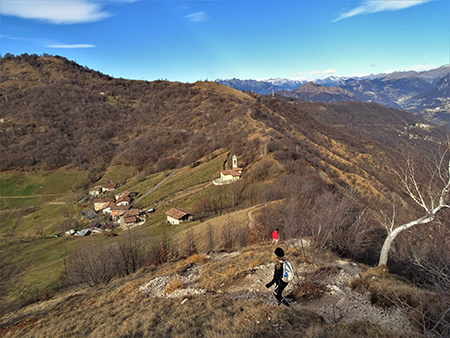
{"x":123,"y":200}
{"x":100,"y":204}
{"x":95,"y":191}
{"x":178,"y":215}
{"x":109,"y":187}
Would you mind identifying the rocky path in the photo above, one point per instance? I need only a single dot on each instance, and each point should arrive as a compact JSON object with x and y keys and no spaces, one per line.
{"x":339,"y":304}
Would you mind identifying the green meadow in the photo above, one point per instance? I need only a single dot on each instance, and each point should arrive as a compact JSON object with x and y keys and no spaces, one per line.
{"x":36,"y":206}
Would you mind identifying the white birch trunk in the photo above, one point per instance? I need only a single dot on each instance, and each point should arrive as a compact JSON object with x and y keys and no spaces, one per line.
{"x":427,"y":195}
{"x":393,"y":234}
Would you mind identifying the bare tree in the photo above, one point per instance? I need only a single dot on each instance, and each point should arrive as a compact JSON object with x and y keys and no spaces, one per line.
{"x":210,"y":238}
{"x":321,"y":222}
{"x":131,"y":252}
{"x":429,"y":190}
{"x":92,"y":265}
{"x":235,"y":193}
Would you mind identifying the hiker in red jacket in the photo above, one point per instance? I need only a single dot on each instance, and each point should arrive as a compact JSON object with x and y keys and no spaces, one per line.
{"x":275,"y":236}
{"x":278,"y":278}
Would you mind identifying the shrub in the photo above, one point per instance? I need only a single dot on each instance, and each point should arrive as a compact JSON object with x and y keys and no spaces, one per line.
{"x":175,"y":284}
{"x":386,"y":290}
{"x":308,"y":291}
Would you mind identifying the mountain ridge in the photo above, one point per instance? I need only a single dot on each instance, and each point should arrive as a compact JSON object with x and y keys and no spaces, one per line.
{"x":155,"y":126}
{"x":404,"y":90}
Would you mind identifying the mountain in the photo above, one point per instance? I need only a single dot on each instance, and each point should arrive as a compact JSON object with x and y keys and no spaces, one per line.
{"x":386,"y":90}
{"x":433,"y":97}
{"x":408,"y":90}
{"x":262,"y":87}
{"x":425,"y":93}
{"x":431,"y":76}
{"x":314,"y":92}
{"x":286,"y":84}
{"x":56,"y":113}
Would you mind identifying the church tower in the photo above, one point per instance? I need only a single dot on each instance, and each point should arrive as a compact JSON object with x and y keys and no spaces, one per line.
{"x":234,"y":161}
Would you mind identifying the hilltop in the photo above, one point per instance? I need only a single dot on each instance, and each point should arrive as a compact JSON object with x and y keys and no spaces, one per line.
{"x":56,"y":113}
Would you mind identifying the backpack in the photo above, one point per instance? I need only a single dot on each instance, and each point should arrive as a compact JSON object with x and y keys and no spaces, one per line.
{"x":288,"y":271}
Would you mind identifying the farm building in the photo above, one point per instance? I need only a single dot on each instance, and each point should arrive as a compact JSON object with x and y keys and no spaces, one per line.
{"x":178,"y":215}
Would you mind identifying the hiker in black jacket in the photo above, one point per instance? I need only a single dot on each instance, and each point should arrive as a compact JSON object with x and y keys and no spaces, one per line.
{"x":278,"y":278}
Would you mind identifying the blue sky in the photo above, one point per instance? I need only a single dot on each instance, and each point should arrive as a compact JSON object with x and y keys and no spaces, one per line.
{"x":193,"y":40}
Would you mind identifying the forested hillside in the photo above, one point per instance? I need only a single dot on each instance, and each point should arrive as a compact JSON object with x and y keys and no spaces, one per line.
{"x":56,"y":113}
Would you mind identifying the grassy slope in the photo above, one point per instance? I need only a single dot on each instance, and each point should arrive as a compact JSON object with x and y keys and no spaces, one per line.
{"x":118,"y":310}
{"x":41,"y":255}
{"x":19,"y":189}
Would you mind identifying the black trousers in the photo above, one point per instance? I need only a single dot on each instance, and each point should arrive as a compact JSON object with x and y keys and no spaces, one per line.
{"x":279,"y":288}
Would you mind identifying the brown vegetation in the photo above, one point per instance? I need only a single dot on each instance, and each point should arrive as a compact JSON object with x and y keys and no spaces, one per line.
{"x":303,"y":174}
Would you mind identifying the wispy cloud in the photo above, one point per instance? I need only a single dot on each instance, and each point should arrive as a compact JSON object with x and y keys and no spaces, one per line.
{"x":375,"y":6}
{"x":80,"y":45}
{"x":317,"y":74}
{"x":36,"y":41}
{"x":373,"y":64}
{"x":197,"y":17}
{"x":55,"y":12}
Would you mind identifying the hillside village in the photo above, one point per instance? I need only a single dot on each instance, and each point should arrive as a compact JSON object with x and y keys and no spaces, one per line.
{"x":122,"y":214}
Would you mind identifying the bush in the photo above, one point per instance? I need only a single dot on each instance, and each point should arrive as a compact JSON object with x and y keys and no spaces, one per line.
{"x":92,"y":265}
{"x":175,"y":284}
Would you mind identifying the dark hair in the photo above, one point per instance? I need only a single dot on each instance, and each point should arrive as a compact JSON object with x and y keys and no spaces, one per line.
{"x":279,"y":252}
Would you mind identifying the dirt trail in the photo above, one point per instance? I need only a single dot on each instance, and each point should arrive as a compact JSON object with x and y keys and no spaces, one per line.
{"x":339,"y":304}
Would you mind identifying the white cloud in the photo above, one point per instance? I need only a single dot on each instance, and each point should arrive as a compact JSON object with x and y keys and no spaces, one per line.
{"x":317,"y":74}
{"x":197,"y":17}
{"x":80,"y":45}
{"x":375,"y":6}
{"x":55,"y":12}
{"x":372,"y":64}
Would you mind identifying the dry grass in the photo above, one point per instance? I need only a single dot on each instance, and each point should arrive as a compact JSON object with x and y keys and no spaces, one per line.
{"x":222,"y":272}
{"x":386,"y":289}
{"x":175,"y":284}
{"x":354,"y":330}
{"x":117,"y":310}
{"x":308,"y":291}
{"x":196,"y":258}
{"x":214,"y":232}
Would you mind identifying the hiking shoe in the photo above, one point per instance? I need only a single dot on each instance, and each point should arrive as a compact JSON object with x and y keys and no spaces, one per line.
{"x":284,"y":302}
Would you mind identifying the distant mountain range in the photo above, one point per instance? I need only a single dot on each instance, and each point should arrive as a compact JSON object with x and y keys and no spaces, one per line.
{"x":426,"y":93}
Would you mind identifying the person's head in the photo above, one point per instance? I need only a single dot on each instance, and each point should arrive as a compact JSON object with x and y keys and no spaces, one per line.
{"x":276,"y":230}
{"x":279,"y":252}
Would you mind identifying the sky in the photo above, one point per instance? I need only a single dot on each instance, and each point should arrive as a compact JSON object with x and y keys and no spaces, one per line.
{"x":188,"y":41}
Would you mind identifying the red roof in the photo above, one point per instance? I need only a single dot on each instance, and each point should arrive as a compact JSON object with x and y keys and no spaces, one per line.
{"x":177,"y":213}
{"x":123,"y":198}
{"x":230,"y":172}
{"x":122,"y":194}
{"x":131,"y":219}
{"x":132,"y":212}
{"x":110,"y":186}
